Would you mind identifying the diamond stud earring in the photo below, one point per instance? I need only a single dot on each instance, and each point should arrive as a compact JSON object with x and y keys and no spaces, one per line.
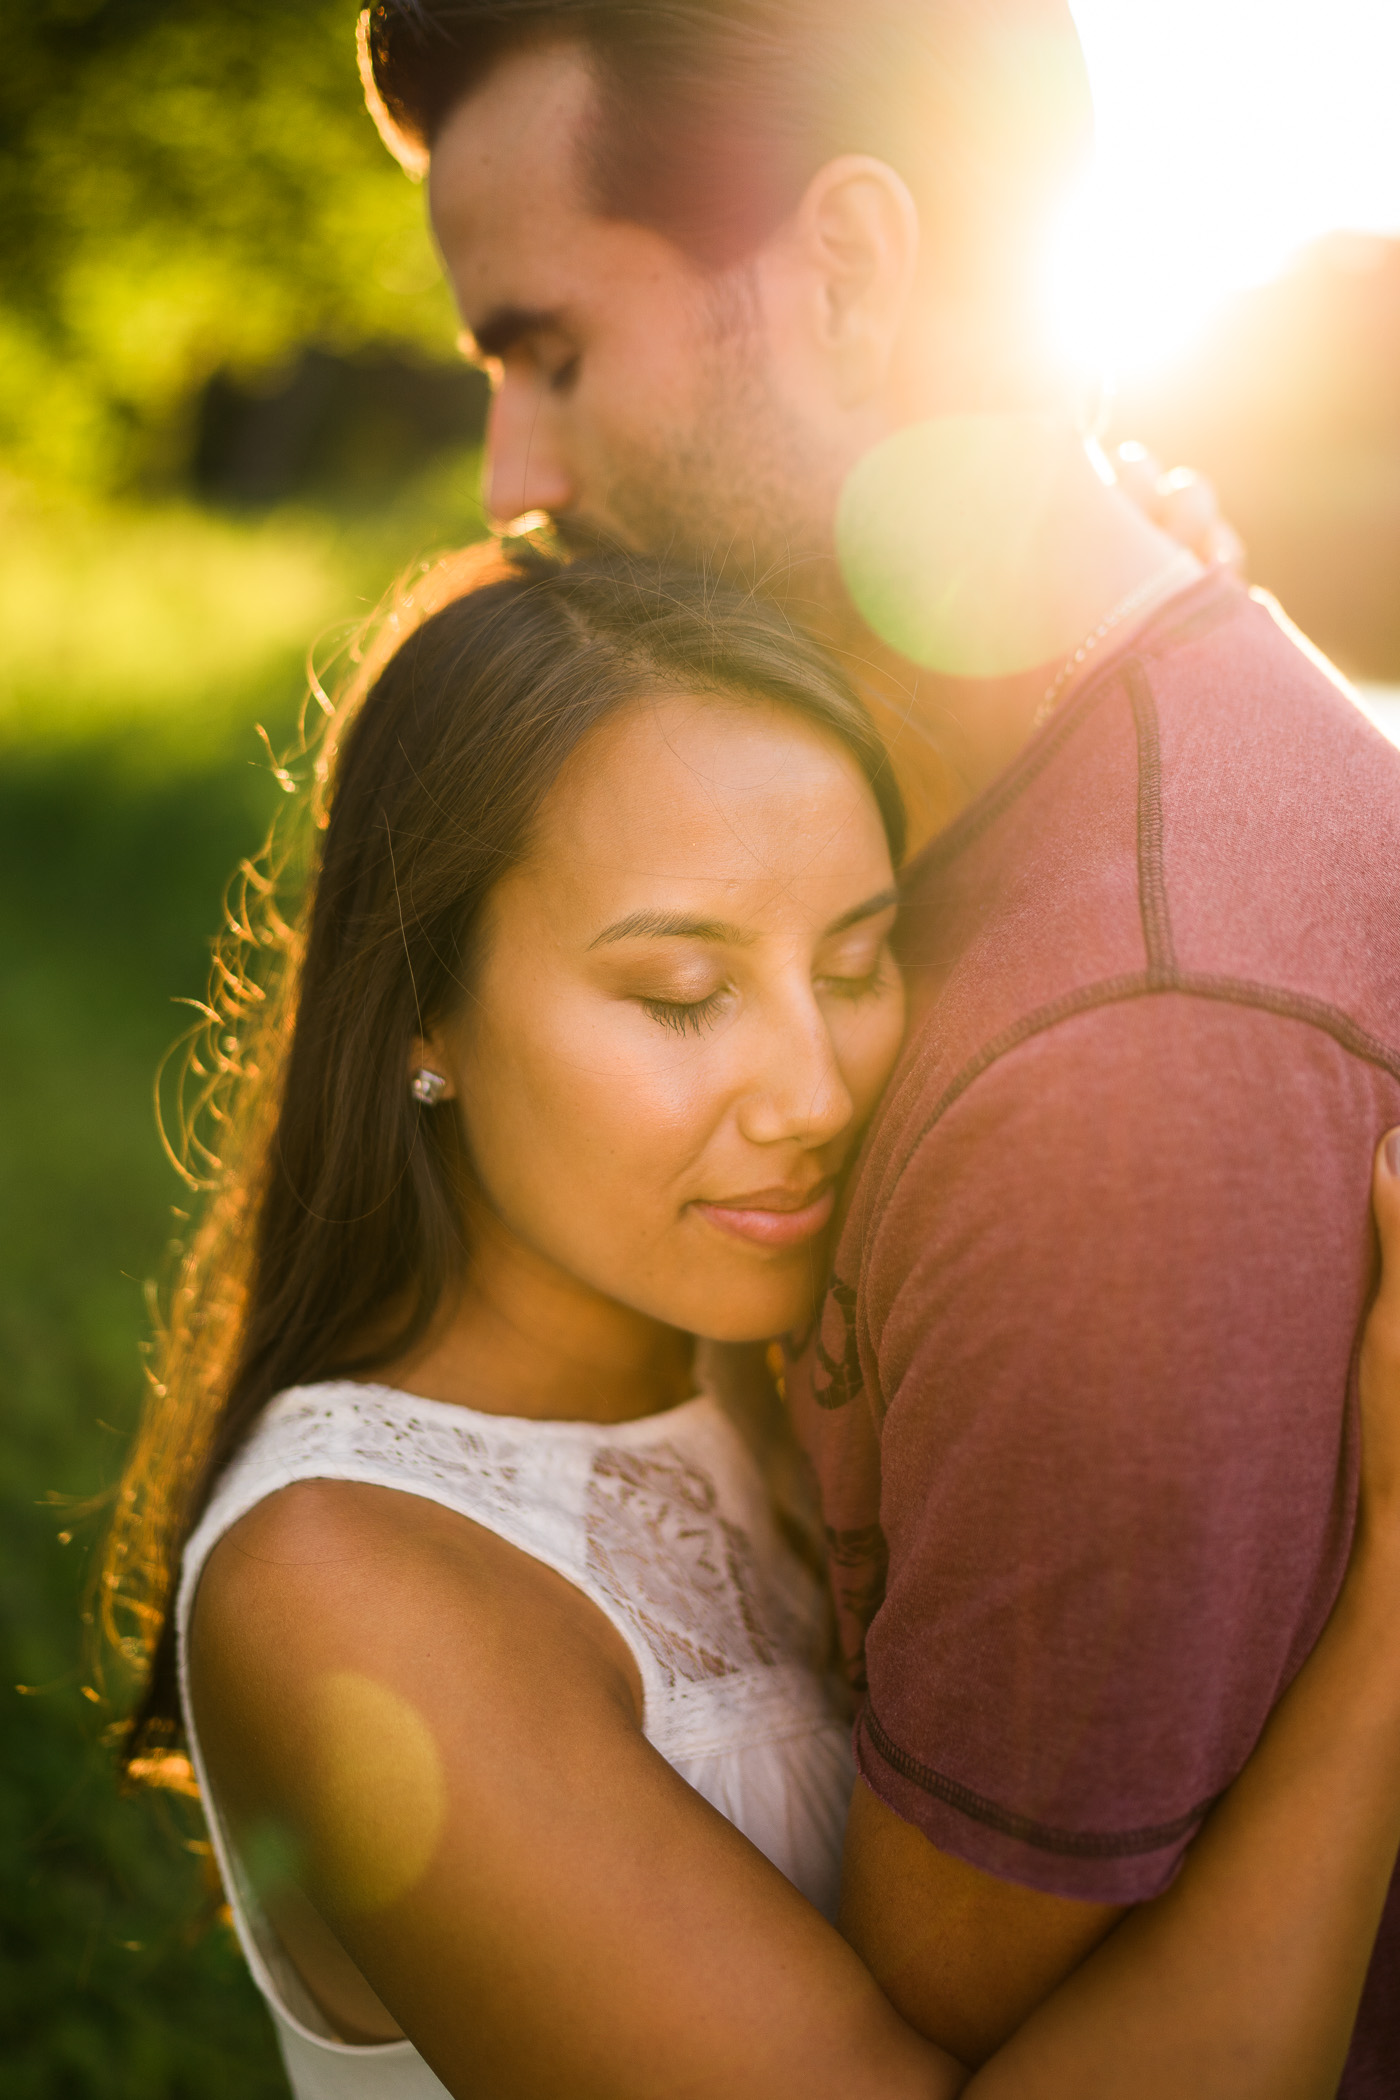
{"x":427,"y":1087}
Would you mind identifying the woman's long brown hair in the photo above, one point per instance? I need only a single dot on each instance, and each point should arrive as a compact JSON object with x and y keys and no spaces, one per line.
{"x":331,"y":1224}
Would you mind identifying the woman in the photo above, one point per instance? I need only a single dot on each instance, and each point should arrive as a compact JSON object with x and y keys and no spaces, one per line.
{"x":502,"y":1680}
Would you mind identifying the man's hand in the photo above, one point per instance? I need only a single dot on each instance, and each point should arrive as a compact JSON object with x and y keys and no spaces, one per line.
{"x":964,"y":1957}
{"x":1182,"y":502}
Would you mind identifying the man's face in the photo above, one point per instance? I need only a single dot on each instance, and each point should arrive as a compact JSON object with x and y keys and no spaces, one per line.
{"x":637,"y":399}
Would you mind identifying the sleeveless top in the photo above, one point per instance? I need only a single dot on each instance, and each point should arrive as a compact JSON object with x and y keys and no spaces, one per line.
{"x":665,"y":1524}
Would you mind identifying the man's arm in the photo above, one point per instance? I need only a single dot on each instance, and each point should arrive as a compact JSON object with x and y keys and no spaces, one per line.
{"x":961,"y":1955}
{"x":1111,"y":1308}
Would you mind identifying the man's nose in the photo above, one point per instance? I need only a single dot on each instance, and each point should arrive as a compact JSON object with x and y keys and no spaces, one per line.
{"x":524,"y":467}
{"x":797,"y":1090}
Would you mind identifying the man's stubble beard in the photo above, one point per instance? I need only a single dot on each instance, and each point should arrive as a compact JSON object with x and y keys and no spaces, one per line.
{"x":732,"y":490}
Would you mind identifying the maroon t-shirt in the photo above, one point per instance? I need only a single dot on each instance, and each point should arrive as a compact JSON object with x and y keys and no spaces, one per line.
{"x":1080,"y":1398}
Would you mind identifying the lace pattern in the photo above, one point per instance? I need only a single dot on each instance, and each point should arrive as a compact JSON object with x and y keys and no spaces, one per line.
{"x":664,"y":1523}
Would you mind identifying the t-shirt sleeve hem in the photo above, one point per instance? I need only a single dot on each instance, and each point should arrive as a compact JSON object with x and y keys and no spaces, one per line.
{"x":1112,"y":1866}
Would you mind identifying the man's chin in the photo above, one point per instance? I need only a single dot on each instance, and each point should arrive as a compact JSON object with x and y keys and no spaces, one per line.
{"x":799,"y":583}
{"x":577,"y":538}
{"x":654,"y":541}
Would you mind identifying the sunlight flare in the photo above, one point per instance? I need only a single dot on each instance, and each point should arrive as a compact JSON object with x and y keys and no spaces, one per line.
{"x":1230,"y":134}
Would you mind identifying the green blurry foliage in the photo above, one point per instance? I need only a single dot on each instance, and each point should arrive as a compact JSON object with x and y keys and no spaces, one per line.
{"x":140,"y":647}
{"x":116,"y":1981}
{"x":186,"y":185}
{"x":162,"y":633}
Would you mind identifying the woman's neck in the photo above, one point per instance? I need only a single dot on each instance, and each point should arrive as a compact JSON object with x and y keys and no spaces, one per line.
{"x":523,"y":1337}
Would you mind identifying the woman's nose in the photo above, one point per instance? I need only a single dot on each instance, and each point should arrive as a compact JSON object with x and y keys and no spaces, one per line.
{"x":524,"y":470}
{"x":799,"y":1091}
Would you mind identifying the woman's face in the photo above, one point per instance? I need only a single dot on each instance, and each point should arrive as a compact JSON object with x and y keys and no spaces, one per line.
{"x":684,"y":1010}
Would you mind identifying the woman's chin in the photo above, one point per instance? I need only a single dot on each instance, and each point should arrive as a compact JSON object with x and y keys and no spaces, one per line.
{"x":760,"y":1308}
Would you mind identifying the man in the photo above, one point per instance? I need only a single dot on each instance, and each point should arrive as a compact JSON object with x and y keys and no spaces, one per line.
{"x":758,"y":280}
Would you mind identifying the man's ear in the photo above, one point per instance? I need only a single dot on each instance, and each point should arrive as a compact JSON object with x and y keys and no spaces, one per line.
{"x":858,"y":229}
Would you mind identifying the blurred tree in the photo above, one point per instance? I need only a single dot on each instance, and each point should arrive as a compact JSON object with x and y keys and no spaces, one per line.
{"x":186,"y":186}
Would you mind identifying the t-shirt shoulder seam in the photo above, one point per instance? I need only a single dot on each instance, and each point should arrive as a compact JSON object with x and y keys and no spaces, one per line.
{"x":1118,"y":991}
{"x":940,"y":853}
{"x":1045,"y":1837}
{"x":1193,"y":621}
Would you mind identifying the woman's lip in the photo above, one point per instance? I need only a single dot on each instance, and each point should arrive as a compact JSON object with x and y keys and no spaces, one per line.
{"x":757,"y":1218}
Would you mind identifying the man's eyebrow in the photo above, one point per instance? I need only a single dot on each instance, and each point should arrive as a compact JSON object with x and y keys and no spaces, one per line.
{"x":672,"y":925}
{"x":505,"y":326}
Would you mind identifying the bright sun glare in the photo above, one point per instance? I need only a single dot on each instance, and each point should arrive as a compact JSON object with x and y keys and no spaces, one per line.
{"x":1230,"y":133}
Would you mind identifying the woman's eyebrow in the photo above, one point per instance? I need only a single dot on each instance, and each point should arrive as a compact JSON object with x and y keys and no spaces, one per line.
{"x":663,"y":925}
{"x":676,"y":926}
{"x":871,"y":909}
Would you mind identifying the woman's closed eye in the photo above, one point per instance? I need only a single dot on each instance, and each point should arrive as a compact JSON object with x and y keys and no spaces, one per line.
{"x":862,"y":987}
{"x":860,"y":966}
{"x":686,"y":1016}
{"x":694,"y":1016}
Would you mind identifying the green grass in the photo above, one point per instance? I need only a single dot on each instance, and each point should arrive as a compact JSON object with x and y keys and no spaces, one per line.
{"x":137,"y":651}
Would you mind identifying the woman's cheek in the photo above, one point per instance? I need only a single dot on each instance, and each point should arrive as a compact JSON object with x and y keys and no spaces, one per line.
{"x":868,"y":1053}
{"x":638,"y":1099}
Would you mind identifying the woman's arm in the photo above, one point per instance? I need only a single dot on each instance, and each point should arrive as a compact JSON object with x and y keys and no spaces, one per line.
{"x":440,"y":1740}
{"x":443,"y":1736}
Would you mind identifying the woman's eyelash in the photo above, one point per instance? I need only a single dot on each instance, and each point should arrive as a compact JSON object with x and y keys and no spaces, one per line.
{"x":857,"y":987}
{"x":685,"y":1019}
{"x":692,"y":1017}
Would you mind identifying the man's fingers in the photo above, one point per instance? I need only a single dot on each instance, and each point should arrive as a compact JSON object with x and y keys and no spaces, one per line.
{"x":1187,"y":506}
{"x":1222,"y":547}
{"x":1183,"y":503}
{"x":1385,"y":1197}
{"x":1189,"y":509}
{"x":1139,"y":475}
{"x":1380,"y":1347}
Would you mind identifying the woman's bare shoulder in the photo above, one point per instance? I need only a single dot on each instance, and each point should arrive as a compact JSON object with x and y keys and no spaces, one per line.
{"x":326,"y":1576}
{"x":304,"y":1523}
{"x":445,"y":1738}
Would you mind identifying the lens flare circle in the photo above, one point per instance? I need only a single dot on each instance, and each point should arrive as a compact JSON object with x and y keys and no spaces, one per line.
{"x":380,"y":1791}
{"x":937,"y":532}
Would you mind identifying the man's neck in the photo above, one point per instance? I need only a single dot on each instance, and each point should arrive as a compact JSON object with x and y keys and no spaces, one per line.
{"x":1038,"y":572}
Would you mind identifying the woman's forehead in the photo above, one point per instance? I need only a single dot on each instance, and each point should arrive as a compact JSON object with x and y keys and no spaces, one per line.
{"x":701,"y":772}
{"x":723,"y":808}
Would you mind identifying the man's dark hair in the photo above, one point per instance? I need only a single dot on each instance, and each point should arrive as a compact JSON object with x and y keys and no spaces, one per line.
{"x":713,"y":115}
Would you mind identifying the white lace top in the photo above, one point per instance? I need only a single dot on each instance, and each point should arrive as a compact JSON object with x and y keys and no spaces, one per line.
{"x":665,"y":1523}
